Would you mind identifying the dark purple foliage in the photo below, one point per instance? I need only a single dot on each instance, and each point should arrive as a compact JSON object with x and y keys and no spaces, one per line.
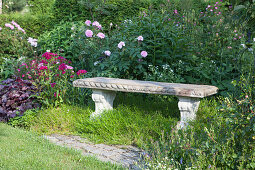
{"x":16,"y":98}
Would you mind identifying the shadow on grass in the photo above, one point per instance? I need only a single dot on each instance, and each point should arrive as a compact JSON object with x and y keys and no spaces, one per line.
{"x":165,"y":105}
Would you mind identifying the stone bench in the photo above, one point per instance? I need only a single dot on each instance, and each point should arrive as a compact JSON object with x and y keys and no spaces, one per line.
{"x":104,"y":92}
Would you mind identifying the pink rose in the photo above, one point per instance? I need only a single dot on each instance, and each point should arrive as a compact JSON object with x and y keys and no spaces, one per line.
{"x":108,"y":53}
{"x":99,"y":27}
{"x":88,"y":22}
{"x":121,"y":44}
{"x":100,"y":35}
{"x":140,"y":38}
{"x":144,"y":54}
{"x":89,"y":33}
{"x":95,"y":23}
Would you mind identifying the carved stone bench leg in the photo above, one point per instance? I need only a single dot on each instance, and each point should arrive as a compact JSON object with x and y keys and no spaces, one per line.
{"x":188,"y":107}
{"x":103,"y":101}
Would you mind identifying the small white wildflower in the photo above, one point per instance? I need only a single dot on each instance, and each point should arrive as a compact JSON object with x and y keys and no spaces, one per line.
{"x":243,"y":45}
{"x":95,"y":63}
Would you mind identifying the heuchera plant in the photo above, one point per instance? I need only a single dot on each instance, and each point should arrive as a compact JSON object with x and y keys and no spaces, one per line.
{"x":16,"y":96}
{"x":51,"y":74}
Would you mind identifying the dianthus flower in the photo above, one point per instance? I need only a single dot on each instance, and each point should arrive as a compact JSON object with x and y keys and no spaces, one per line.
{"x":53,"y":84}
{"x":44,"y":61}
{"x":48,"y":55}
{"x":62,"y":67}
{"x":81,"y":72}
{"x":60,"y":58}
{"x":43,"y":68}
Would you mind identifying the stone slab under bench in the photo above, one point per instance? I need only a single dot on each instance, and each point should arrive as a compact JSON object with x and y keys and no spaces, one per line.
{"x":104,"y":92}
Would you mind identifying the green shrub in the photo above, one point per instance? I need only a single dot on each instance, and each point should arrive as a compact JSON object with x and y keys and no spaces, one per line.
{"x":221,"y":139}
{"x":13,"y":40}
{"x":41,"y":6}
{"x":112,"y":11}
{"x":8,"y":66}
{"x":197,"y":46}
{"x":59,"y":39}
{"x":13,"y":5}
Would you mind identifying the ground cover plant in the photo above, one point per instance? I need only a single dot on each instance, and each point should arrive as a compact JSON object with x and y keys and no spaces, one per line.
{"x":198,"y":42}
{"x":16,"y":98}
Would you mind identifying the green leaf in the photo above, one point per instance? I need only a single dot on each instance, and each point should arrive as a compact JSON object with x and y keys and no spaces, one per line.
{"x":239,"y":7}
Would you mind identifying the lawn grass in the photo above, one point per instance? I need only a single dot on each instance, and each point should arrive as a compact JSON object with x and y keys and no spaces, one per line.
{"x":25,"y":150}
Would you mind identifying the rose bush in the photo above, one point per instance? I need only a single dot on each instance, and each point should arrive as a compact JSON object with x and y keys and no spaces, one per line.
{"x":14,"y":41}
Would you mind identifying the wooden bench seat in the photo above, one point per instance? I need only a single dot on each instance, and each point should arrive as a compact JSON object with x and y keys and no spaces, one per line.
{"x":104,"y":91}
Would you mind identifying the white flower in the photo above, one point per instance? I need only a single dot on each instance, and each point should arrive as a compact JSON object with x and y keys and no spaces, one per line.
{"x":243,"y":45}
{"x":32,"y":41}
{"x":95,"y":63}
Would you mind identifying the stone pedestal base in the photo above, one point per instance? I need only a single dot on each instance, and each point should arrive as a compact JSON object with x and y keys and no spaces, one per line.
{"x":188,"y":107}
{"x":103,"y":101}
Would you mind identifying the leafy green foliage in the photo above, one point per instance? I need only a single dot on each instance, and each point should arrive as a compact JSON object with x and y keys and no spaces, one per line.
{"x":217,"y":139}
{"x":105,"y":12}
{"x":41,"y":6}
{"x":13,"y":40}
{"x":8,"y":67}
{"x":60,"y":39}
{"x":13,"y":5}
